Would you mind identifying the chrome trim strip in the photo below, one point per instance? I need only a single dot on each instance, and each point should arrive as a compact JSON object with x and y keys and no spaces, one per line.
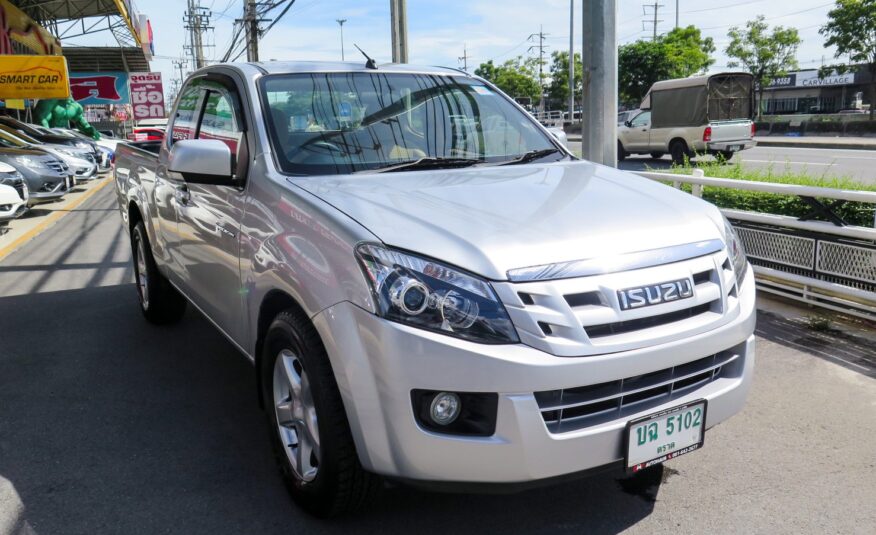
{"x":615,"y":264}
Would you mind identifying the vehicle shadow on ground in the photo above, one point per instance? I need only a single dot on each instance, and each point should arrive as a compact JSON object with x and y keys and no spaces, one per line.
{"x":111,"y":425}
{"x":850,"y":352}
{"x":646,"y":163}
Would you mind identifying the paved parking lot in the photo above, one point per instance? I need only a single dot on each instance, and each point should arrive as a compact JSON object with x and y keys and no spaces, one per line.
{"x":110,"y":425}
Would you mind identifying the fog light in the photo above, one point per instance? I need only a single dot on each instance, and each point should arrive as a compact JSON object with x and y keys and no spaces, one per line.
{"x":445,"y":408}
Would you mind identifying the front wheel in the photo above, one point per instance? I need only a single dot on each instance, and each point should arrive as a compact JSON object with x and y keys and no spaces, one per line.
{"x":308,"y":425}
{"x":159,"y":301}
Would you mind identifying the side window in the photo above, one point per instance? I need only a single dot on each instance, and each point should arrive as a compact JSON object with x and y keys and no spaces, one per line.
{"x":186,"y":114}
{"x":642,"y":119}
{"x":219,"y":120}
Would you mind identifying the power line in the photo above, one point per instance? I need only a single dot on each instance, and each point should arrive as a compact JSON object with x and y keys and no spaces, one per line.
{"x":197,"y":19}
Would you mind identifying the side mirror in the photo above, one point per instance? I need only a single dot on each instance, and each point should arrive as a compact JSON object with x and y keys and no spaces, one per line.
{"x":202,"y":161}
{"x":560,"y":134}
{"x":628,"y":123}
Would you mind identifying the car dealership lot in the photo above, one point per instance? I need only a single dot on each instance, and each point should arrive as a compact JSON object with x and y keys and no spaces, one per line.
{"x":110,"y":425}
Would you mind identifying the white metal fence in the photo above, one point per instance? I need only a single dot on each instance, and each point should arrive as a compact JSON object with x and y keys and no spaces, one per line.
{"x":825,"y":263}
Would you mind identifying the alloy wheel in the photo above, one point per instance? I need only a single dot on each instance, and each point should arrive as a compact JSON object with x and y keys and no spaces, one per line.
{"x":296,"y":415}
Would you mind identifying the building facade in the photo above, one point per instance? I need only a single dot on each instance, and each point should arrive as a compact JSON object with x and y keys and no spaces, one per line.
{"x":807,"y":92}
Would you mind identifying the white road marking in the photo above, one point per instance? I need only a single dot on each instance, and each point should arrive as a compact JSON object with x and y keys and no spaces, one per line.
{"x":786,"y":161}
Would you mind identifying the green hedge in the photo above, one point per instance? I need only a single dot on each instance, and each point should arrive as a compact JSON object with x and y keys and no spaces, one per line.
{"x":855,"y":213}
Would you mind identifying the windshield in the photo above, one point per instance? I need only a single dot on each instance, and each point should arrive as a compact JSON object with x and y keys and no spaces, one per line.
{"x":335,"y":123}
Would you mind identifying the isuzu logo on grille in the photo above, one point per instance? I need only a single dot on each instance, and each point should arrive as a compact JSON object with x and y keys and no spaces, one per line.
{"x":655,"y":294}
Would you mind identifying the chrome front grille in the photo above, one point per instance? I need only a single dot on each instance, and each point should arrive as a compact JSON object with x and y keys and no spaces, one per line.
{"x":56,"y":166}
{"x":582,"y":316}
{"x":575,"y":408}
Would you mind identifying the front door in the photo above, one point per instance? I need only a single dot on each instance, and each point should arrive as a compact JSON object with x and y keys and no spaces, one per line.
{"x":209,"y":219}
{"x":639,"y":133}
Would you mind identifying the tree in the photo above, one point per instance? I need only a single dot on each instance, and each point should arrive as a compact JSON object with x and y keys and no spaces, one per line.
{"x":688,"y":51}
{"x":558,"y":89}
{"x":765,"y":55}
{"x":851,"y":28}
{"x":516,"y":77}
{"x":639,"y":65}
{"x":680,"y":53}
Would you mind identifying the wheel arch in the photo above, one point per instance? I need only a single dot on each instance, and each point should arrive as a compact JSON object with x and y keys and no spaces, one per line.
{"x":273,"y":303}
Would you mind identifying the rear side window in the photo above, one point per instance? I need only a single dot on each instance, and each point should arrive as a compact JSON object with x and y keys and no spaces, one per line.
{"x":186,"y":114}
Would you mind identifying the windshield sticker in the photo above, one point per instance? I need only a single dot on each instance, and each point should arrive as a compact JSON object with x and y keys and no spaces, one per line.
{"x":481,"y":90}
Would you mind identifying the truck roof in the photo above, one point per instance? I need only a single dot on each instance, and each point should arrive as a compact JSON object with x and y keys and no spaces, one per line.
{"x":288,"y":67}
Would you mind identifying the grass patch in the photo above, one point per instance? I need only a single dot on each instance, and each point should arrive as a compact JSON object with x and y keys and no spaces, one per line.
{"x":855,"y":213}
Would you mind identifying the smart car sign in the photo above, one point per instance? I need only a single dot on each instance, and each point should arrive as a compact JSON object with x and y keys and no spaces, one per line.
{"x":147,"y":95}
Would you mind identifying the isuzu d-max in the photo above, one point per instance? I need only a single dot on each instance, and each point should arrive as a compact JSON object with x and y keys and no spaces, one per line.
{"x":431,"y":287}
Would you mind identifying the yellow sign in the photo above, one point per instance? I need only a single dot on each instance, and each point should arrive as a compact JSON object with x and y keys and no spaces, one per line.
{"x":15,"y":103}
{"x":34,"y":77}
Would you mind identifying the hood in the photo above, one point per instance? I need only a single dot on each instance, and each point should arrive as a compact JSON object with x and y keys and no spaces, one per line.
{"x":490,"y":220}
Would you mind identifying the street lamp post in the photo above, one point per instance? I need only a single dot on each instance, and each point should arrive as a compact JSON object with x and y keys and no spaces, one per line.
{"x":341,"y":24}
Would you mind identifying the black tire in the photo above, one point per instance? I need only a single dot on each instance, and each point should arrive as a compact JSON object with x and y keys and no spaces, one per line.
{"x":340,"y":485}
{"x":656,"y":155}
{"x":679,"y":152}
{"x":160,"y":303}
{"x":621,"y":153}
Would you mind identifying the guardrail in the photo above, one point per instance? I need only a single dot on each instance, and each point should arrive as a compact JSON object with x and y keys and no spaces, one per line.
{"x":829,"y":264}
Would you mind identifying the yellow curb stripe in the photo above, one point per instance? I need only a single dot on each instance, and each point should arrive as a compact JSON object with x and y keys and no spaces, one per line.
{"x":50,"y":220}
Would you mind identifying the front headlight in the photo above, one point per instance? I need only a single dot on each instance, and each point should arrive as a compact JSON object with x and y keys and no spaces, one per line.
{"x":430,"y":295}
{"x":30,"y":163}
{"x":736,"y":251}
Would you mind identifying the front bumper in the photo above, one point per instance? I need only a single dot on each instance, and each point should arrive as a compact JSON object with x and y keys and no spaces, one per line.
{"x":57,"y":192}
{"x":739,"y":144}
{"x":377,"y":363}
{"x":15,"y":210}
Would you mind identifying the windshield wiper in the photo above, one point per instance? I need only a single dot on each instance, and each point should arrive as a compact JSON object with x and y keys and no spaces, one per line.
{"x":427,"y":162}
{"x":531,"y":156}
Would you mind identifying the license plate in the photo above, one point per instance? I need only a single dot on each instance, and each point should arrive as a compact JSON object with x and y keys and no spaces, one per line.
{"x":665,"y":435}
{"x":735,"y":147}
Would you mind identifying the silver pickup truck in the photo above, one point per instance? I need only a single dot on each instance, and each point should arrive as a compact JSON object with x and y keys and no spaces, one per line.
{"x":431,"y":288}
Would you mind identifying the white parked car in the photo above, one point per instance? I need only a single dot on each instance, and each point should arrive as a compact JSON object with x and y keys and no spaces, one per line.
{"x":13,"y":193}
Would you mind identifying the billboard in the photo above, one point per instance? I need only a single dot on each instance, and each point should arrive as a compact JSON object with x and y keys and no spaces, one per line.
{"x":147,"y":95}
{"x":99,"y":87}
{"x":33,"y":77}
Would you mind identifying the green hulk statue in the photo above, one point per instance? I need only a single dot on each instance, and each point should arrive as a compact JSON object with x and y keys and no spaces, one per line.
{"x":63,"y":113}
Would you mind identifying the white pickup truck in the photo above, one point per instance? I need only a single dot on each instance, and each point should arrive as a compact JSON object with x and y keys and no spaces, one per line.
{"x":430,"y":287}
{"x":692,"y":116}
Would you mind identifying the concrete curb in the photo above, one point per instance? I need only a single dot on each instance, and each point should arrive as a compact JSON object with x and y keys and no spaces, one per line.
{"x":814,"y":144}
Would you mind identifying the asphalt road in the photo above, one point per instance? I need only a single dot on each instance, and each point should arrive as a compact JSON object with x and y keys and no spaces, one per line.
{"x":110,"y":425}
{"x":859,"y":165}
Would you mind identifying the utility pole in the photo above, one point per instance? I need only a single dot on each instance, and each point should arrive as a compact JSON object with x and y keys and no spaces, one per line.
{"x":180,"y":64}
{"x":653,"y":21}
{"x":540,"y":46}
{"x":341,"y":24}
{"x":398,"y":12}
{"x":464,"y":57}
{"x":251,"y":20}
{"x":197,"y":19}
{"x":571,"y":61}
{"x":676,"y":13}
{"x":599,"y":51}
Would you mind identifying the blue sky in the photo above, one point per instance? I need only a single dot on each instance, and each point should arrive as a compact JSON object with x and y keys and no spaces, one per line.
{"x":438,"y":30}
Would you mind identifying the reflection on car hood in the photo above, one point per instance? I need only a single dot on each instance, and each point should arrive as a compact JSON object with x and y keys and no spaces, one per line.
{"x":491,"y":220}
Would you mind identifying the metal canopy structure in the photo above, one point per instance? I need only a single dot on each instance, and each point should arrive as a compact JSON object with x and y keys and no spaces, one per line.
{"x":69,"y":19}
{"x":103,"y":59}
